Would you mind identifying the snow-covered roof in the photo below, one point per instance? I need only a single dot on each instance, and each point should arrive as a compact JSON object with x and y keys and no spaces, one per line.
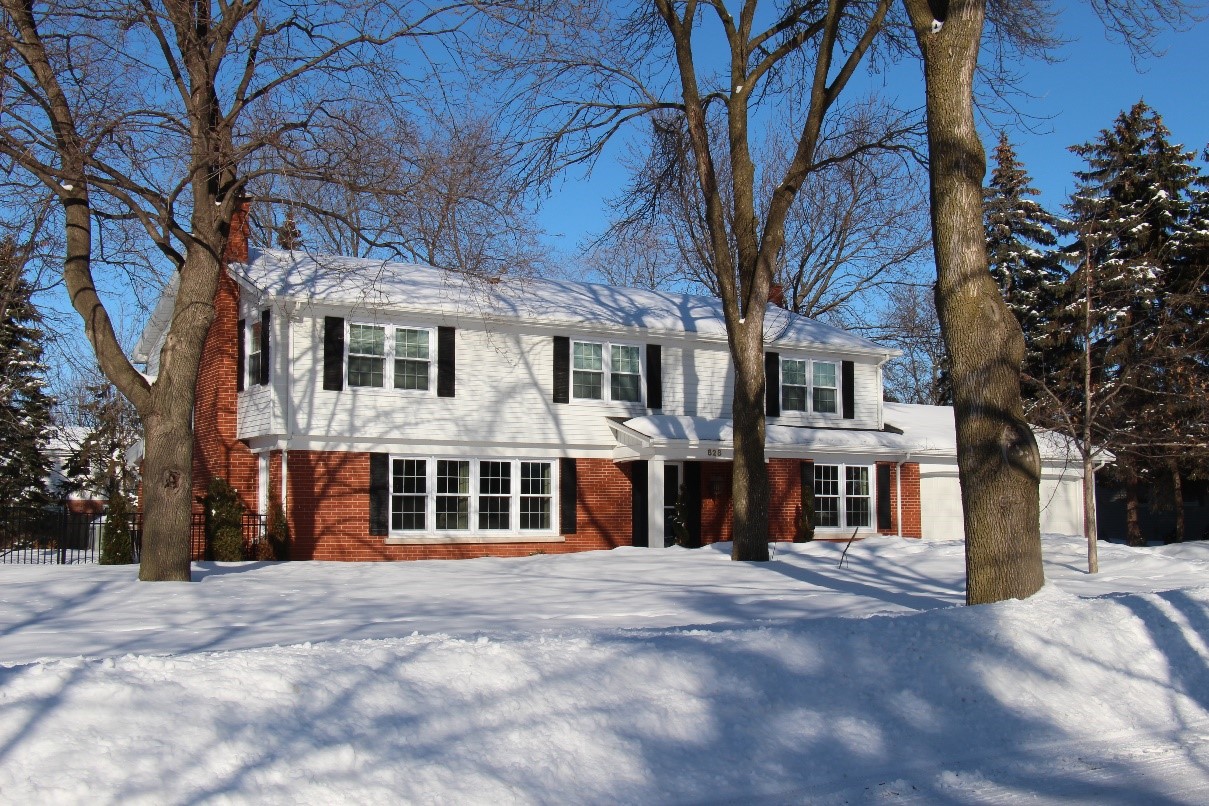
{"x":378,"y":284}
{"x":926,"y":431}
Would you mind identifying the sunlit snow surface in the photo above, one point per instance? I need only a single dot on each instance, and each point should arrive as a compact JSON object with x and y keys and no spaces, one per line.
{"x":631,"y":676}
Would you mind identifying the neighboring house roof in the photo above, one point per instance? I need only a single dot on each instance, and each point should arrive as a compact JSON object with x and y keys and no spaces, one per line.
{"x":925,"y":431}
{"x":371,"y":284}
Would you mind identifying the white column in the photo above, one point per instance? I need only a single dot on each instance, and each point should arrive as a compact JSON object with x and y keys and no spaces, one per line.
{"x":654,"y":499}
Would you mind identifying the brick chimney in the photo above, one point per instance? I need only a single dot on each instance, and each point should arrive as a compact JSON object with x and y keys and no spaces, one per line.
{"x":776,"y":295}
{"x":241,"y":230}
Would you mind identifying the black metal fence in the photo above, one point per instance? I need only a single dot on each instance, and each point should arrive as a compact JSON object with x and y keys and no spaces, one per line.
{"x":57,"y":537}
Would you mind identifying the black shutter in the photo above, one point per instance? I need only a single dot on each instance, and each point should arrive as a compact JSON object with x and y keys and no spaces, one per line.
{"x":848,"y":373}
{"x":883,"y":497}
{"x":562,"y":369}
{"x":379,"y":493}
{"x":654,"y":376}
{"x":805,"y":531}
{"x":240,"y":337}
{"x":772,"y":384}
{"x":264,"y":348}
{"x":638,"y":510}
{"x":692,"y":503}
{"x":567,"y":502}
{"x":445,"y":361}
{"x":333,"y":353}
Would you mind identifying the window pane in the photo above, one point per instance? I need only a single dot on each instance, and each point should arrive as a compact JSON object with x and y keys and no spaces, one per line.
{"x":626,"y":387}
{"x":453,"y":477}
{"x":535,"y":513}
{"x":364,"y":371}
{"x":411,"y":344}
{"x":453,"y":512}
{"x":409,"y":503}
{"x":626,"y":360}
{"x":856,"y":512}
{"x":857,"y":481}
{"x":824,"y":401}
{"x":589,"y":356}
{"x":824,"y":374}
{"x":536,"y":488}
{"x":827,"y":495}
{"x":453,"y":494}
{"x":793,"y":398}
{"x":367,"y":340}
{"x":826,"y":480}
{"x":411,"y":374}
{"x":588,"y":384}
{"x":793,"y":373}
{"x":535,"y":478}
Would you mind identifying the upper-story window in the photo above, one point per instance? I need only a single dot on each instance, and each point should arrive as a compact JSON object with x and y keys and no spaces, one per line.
{"x":809,"y":386}
{"x":379,"y":355}
{"x":592,"y":362}
{"x":255,"y":355}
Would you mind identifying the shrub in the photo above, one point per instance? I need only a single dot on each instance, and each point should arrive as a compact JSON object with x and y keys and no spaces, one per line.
{"x":276,"y":543}
{"x":224,"y":521}
{"x":806,"y":521}
{"x":117,"y":546}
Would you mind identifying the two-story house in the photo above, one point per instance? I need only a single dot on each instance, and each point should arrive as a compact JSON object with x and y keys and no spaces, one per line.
{"x":400,"y":412}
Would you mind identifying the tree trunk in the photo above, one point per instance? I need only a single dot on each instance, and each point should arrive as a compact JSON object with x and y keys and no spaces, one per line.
{"x":1090,"y":527}
{"x":1133,"y":526}
{"x":750,"y":473}
{"x":998,"y":461}
{"x":1177,"y":496}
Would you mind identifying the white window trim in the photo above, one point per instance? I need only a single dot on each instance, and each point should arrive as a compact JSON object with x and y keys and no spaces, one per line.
{"x":388,"y":358}
{"x":474,"y":534}
{"x":843,"y":497}
{"x":606,"y":350}
{"x":810,"y":388}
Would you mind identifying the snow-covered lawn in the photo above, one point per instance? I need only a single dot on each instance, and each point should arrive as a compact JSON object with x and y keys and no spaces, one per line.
{"x":631,"y":676}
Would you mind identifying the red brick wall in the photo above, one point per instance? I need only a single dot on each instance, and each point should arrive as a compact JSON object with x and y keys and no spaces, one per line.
{"x":785,"y":498}
{"x":216,"y":451}
{"x":912,"y":518}
{"x":329,"y":513}
{"x":716,"y":502}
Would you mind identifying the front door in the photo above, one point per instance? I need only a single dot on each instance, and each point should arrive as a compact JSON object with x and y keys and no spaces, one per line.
{"x":671,"y":495}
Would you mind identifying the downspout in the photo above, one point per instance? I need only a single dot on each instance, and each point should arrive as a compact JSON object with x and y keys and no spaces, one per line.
{"x":289,"y":404}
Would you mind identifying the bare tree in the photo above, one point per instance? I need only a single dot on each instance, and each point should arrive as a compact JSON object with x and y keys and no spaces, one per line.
{"x":141,"y":116}
{"x":692,"y":66}
{"x":858,"y":223}
{"x":908,"y":322}
{"x":998,"y":460}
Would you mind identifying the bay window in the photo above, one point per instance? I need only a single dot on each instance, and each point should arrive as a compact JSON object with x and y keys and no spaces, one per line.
{"x":474,"y":496}
{"x":842,"y":496}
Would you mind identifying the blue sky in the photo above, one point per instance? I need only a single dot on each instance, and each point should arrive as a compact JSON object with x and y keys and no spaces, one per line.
{"x":1072,"y":100}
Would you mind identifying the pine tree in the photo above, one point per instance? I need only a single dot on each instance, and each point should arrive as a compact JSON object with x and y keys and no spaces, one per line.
{"x":25,"y":408}
{"x":112,"y":428}
{"x":1022,"y":249}
{"x":1130,"y":215}
{"x":117,"y":546}
{"x":224,"y":521}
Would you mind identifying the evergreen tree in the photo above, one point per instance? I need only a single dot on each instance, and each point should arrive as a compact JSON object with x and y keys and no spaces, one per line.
{"x":112,"y":428}
{"x":224,"y":521}
{"x":25,"y":408}
{"x":1022,"y":250}
{"x":117,"y":545}
{"x":1131,"y":215}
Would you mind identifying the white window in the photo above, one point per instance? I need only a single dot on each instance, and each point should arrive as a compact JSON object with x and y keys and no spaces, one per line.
{"x":475,"y":496}
{"x":842,"y":496}
{"x":411,"y":359}
{"x":809,"y":385}
{"x":366,"y":355}
{"x":380,"y":356}
{"x":592,"y":362}
{"x":255,"y":356}
{"x":825,"y":395}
